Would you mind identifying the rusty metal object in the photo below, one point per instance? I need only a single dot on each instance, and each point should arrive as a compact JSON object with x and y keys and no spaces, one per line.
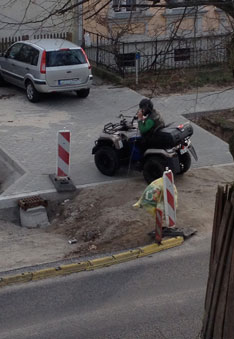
{"x":31,"y":202}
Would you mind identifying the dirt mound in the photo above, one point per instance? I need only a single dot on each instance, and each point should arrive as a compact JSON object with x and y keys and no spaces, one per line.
{"x":103,"y":219}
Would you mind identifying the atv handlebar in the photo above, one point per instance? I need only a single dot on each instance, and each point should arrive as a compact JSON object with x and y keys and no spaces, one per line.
{"x":123,"y":125}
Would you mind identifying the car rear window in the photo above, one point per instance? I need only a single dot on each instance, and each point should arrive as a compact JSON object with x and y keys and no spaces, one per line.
{"x":65,"y":57}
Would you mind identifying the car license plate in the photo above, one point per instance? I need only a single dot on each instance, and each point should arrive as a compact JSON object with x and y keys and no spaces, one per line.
{"x":183,"y":150}
{"x":69,"y":82}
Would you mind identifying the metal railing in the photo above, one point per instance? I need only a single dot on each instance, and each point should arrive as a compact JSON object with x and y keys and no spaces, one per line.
{"x":157,"y":54}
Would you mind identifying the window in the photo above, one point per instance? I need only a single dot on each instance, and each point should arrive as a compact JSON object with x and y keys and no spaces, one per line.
{"x":28,"y":55}
{"x":126,"y":60}
{"x":65,"y":57}
{"x":13,"y":52}
{"x":128,"y":5}
{"x":182,"y":54}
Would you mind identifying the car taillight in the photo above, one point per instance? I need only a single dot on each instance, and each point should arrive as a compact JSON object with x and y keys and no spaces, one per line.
{"x":43,"y":63}
{"x":86,"y":58}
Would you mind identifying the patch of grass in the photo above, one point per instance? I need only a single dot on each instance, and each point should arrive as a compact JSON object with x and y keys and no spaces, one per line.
{"x":107,"y":75}
{"x":185,"y":79}
{"x":171,"y":81}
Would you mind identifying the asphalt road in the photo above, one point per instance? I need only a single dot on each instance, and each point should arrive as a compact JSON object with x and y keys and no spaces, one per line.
{"x":161,"y":296}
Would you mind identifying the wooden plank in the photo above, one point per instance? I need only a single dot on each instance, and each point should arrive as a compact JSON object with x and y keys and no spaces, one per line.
{"x":229,"y":313}
{"x":223,"y":245}
{"x":217,"y":220}
{"x":216,"y":225}
{"x":217,"y":213}
{"x":211,"y":286}
{"x":224,"y":286}
{"x":228,"y":330}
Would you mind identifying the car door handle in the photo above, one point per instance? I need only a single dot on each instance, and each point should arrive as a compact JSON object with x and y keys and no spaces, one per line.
{"x":27,"y":69}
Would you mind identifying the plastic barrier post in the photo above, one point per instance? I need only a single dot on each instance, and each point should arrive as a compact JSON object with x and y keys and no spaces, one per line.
{"x":61,"y":179}
{"x":63,"y":154}
{"x":169,"y":198}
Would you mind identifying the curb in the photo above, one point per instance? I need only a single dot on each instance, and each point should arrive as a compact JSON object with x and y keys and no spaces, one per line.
{"x":91,"y":265}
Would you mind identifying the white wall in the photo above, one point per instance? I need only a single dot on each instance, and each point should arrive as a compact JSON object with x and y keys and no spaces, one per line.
{"x":14,"y":13}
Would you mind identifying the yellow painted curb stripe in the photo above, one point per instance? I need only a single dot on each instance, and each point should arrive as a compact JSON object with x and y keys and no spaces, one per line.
{"x":73,"y":268}
{"x":91,"y":264}
{"x":19,"y":278}
{"x":125,"y":256}
{"x":101,"y":262}
{"x":166,"y":244}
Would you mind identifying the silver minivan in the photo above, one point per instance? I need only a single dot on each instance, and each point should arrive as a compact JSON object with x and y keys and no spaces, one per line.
{"x":45,"y":66}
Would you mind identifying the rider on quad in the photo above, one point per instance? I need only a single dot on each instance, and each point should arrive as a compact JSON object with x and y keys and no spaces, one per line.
{"x":149,"y":121}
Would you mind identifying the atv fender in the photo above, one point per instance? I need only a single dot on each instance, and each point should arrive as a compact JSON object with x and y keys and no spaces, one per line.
{"x":161,"y":152}
{"x":102,"y":142}
{"x":112,"y":141}
{"x":169,"y":158}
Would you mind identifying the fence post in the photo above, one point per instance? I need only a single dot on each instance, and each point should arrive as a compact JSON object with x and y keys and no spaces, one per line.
{"x":156,"y":54}
{"x":137,"y":66}
{"x":97,"y":52}
{"x":123,"y":59}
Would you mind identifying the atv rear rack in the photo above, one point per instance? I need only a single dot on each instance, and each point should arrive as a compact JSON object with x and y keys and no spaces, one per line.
{"x":111,"y":128}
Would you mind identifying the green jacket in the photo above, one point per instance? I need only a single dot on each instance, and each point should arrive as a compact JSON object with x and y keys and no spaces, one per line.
{"x":150,"y":123}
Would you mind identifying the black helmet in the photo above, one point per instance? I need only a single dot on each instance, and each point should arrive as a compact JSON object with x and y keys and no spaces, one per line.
{"x":146,"y":105}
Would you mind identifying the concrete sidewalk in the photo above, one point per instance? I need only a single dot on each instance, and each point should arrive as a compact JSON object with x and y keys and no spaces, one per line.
{"x":28,"y":132}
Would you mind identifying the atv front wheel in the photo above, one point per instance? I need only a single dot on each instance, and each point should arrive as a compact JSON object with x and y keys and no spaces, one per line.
{"x":106,"y":160}
{"x":185,"y":162}
{"x":153,"y":169}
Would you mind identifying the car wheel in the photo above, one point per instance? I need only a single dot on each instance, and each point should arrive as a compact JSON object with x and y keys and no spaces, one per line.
{"x":185,"y":162}
{"x":106,"y":160}
{"x":153,"y":168}
{"x":31,"y":92}
{"x":83,"y":93}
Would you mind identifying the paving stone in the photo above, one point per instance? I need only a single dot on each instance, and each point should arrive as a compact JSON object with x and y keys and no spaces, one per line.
{"x":28,"y":132}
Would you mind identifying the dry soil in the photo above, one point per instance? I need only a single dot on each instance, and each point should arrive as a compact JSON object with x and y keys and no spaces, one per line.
{"x":102,"y":219}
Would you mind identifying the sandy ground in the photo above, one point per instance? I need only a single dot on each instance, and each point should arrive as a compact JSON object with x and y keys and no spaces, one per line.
{"x":102,"y":219}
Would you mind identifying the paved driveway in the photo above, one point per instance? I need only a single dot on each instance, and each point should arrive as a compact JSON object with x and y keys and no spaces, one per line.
{"x":28,"y":132}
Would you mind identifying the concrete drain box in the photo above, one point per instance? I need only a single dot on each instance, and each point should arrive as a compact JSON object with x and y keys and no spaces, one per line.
{"x":33,"y":212}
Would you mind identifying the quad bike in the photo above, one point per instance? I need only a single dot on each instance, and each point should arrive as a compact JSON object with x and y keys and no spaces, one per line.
{"x":120,"y":144}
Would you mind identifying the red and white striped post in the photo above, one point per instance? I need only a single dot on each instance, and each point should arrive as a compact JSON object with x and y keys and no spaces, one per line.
{"x":63,"y":154}
{"x":158,"y":225}
{"x":169,"y":198}
{"x":61,"y":179}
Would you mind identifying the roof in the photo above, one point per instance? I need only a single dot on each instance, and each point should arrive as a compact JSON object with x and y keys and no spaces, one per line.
{"x":51,"y":44}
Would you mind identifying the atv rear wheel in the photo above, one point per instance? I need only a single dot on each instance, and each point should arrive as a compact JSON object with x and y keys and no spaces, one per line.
{"x":106,"y":160}
{"x":185,"y":162}
{"x":153,"y":168}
